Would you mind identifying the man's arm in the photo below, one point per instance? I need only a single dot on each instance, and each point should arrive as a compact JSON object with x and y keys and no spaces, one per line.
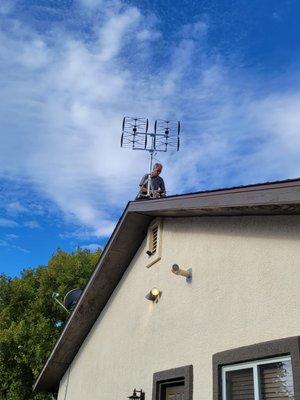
{"x":143,"y":184}
{"x":163,"y":188}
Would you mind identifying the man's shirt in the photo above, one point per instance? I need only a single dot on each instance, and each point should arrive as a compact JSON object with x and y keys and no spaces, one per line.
{"x":156,"y":183}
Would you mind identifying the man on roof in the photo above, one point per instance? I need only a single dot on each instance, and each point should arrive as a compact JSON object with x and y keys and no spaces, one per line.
{"x":157,"y":185}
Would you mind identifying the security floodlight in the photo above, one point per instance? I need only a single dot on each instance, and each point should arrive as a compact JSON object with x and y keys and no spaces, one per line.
{"x":186,"y":273}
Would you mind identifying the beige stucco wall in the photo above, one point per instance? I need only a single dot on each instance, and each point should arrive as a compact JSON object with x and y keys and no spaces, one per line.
{"x":245,"y":289}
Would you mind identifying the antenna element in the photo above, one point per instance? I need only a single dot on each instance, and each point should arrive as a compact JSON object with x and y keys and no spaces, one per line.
{"x":165,"y":137}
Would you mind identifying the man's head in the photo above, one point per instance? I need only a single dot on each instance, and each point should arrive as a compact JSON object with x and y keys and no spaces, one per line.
{"x":157,"y":168}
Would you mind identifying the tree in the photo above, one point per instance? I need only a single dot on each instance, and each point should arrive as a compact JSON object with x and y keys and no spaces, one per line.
{"x":30,"y":321}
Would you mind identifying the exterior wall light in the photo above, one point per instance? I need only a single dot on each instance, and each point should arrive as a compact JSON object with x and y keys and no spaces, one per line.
{"x":186,"y":273}
{"x":154,"y":294}
{"x":135,"y":396}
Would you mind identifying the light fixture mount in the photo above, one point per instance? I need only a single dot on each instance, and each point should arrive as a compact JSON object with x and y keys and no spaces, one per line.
{"x":181,"y":272}
{"x":136,"y":396}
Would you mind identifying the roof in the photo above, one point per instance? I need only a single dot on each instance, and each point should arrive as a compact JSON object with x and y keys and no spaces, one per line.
{"x":273,"y":198}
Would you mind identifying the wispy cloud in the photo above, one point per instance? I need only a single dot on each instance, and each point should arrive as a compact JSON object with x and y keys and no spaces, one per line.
{"x":90,"y":4}
{"x":32,"y":224}
{"x":91,"y":246}
{"x":11,"y":236}
{"x":64,"y":97}
{"x":15,"y":208}
{"x":6,"y":6}
{"x":8,"y":223}
{"x":12,"y":247}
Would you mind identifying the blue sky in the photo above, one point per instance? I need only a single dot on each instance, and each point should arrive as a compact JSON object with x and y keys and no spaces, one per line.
{"x":70,"y":71}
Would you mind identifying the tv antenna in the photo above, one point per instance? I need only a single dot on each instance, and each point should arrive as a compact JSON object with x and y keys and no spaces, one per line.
{"x":165,"y":137}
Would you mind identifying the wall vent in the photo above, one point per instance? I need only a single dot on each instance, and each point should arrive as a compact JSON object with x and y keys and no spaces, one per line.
{"x":154,"y":242}
{"x":154,"y":239}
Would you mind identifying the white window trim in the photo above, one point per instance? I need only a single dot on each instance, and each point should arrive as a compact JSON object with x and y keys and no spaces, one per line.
{"x":251,"y":364}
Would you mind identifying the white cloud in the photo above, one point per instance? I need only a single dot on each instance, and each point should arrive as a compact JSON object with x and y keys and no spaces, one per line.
{"x":32,"y":224}
{"x":8,"y":223}
{"x":147,"y":34}
{"x":22,"y":249}
{"x":79,"y":234}
{"x":91,"y":4}
{"x":12,"y":247}
{"x":70,"y":98}
{"x":91,"y":246}
{"x":11,"y":236}
{"x":276,"y":16}
{"x":15,"y":208}
{"x":114,"y":34}
{"x":195,"y":30}
{"x":6,"y":6}
{"x":64,"y":97}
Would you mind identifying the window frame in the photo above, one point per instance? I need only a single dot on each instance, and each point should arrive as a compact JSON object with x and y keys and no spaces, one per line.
{"x":163,"y":379}
{"x":261,"y":351}
{"x":250,"y":364}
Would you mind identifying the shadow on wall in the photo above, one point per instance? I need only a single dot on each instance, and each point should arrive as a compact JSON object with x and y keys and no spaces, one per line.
{"x":270,"y":226}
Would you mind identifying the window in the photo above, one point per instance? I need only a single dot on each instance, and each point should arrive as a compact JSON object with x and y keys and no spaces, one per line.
{"x":263,"y":371}
{"x":154,"y":242}
{"x":171,"y":384}
{"x":259,"y":380}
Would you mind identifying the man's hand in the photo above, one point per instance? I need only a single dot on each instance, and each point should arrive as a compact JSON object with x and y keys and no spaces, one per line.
{"x":143,"y":190}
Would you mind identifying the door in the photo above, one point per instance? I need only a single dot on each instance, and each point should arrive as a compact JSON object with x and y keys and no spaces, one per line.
{"x":175,"y":393}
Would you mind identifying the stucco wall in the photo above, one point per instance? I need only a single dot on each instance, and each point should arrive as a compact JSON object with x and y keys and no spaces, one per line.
{"x":245,"y":290}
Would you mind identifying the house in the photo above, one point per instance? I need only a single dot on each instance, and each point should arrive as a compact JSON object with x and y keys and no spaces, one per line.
{"x":229,"y":332}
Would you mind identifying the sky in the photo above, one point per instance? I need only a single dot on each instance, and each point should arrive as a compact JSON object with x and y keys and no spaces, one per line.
{"x":71,"y":69}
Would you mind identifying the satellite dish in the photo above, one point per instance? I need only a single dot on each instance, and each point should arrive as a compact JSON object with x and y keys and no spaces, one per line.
{"x":71,"y":298}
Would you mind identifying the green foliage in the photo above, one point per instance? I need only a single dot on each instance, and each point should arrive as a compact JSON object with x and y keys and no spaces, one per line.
{"x":29,"y":316}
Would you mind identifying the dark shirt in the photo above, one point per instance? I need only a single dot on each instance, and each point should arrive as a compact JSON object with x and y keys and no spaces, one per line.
{"x":156,"y":183}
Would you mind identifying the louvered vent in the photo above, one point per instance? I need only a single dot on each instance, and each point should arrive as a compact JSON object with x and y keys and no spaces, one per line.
{"x":240,"y":385}
{"x":154,"y":239}
{"x":276,"y":381}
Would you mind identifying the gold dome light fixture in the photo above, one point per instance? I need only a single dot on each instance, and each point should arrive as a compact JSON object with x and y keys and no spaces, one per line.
{"x":154,"y":294}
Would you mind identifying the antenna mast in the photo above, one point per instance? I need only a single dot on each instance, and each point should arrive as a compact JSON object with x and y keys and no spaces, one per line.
{"x":135,"y":136}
